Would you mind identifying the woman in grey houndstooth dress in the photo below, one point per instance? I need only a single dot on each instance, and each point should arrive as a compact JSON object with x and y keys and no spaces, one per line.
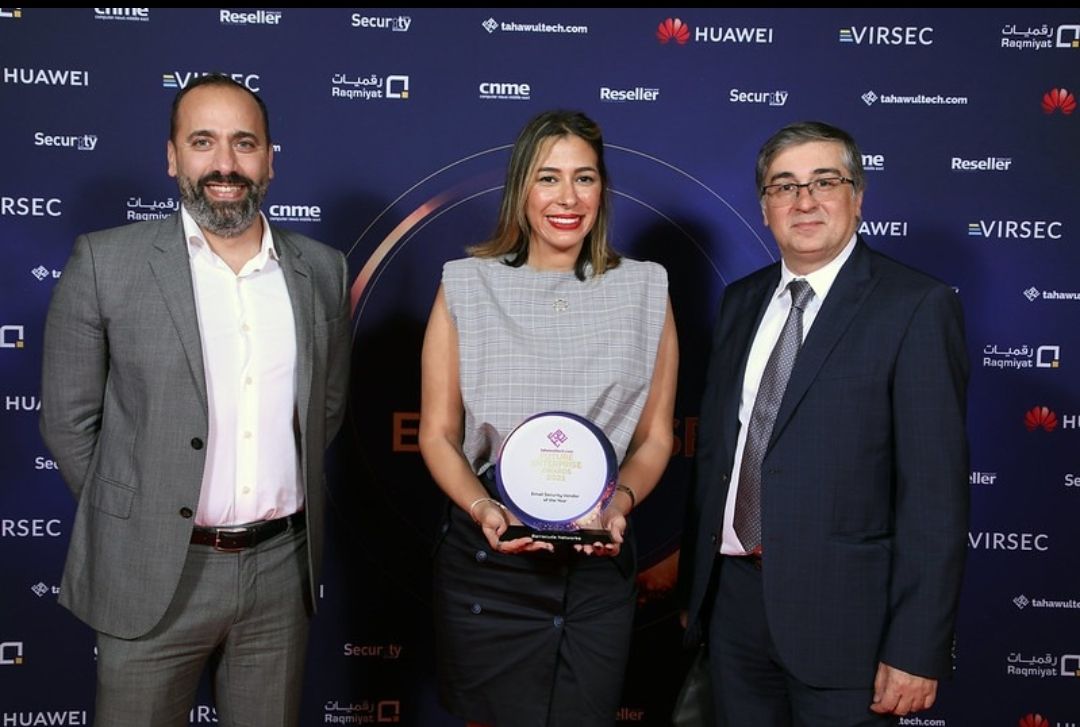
{"x":544,"y":316}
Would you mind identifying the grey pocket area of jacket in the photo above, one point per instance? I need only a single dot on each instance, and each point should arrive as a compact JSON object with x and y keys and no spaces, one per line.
{"x":111,"y":497}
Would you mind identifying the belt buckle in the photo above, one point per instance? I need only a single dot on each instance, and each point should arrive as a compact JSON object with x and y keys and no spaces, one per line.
{"x":227,"y":532}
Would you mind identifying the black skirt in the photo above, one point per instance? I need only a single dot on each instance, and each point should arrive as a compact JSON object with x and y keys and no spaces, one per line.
{"x":530,"y":640}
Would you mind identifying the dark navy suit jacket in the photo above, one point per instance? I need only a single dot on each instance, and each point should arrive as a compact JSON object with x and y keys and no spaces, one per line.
{"x":864,"y":484}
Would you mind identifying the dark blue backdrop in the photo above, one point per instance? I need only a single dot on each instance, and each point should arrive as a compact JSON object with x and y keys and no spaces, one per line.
{"x":392,"y":128}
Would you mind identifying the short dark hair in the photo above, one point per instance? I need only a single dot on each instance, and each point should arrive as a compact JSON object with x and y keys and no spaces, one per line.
{"x":216,"y":79}
{"x":803,"y":132}
{"x":512,"y":233}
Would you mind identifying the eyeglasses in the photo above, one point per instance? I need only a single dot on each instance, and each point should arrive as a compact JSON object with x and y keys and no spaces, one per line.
{"x":782,"y":195}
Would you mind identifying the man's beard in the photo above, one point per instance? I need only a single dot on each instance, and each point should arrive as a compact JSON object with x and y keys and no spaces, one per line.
{"x":224,"y":219}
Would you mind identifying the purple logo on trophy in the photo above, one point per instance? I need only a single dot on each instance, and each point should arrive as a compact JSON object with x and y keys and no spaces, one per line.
{"x":558,"y":437}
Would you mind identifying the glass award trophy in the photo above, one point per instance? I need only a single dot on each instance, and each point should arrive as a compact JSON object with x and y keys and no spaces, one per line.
{"x":555,"y":471}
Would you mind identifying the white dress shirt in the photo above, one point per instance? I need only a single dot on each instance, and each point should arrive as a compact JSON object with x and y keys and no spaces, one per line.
{"x":249,"y":353}
{"x":768,"y":333}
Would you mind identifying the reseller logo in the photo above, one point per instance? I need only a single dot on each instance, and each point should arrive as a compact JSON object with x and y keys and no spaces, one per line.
{"x":1040,"y":417}
{"x":1058,"y":99}
{"x":673,"y":29}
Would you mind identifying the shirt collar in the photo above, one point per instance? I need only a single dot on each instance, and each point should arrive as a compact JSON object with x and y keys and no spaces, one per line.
{"x":822,"y":279}
{"x":196,"y":241}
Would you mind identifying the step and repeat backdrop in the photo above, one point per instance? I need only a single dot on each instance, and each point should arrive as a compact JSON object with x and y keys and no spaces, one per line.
{"x":391,"y":131}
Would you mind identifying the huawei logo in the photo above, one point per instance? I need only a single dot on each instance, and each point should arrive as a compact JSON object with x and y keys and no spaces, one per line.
{"x":1040,"y":417}
{"x":1056,"y":98}
{"x":675,"y":29}
{"x":1033,"y":720}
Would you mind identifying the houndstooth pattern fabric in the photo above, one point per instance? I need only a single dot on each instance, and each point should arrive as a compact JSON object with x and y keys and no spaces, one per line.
{"x":531,"y":341}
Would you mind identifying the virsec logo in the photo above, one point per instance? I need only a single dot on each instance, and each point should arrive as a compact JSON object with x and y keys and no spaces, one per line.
{"x":79,"y":142}
{"x":886,"y":35}
{"x":138,"y":15}
{"x":30,"y":206}
{"x":1016,"y":229}
{"x":251,"y":17}
{"x":396,"y":23}
{"x":12,"y":336}
{"x":181,"y":79}
{"x":11,"y":653}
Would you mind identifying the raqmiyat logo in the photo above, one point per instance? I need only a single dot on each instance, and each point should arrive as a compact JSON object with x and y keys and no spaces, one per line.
{"x":1041,"y":37}
{"x":1016,"y":229}
{"x":675,"y":29}
{"x":1040,"y":417}
{"x":1021,"y":357}
{"x":10,"y":13}
{"x":11,"y":653}
{"x":45,"y":76}
{"x":12,"y":336}
{"x":137,"y":15}
{"x":181,"y":79}
{"x":887,"y":35}
{"x":254,"y":17}
{"x":1056,"y":99}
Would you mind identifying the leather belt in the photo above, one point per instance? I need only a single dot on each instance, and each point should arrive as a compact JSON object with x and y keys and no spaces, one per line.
{"x":240,"y":537}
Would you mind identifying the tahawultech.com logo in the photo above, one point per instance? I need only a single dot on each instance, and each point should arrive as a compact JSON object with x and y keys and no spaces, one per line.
{"x":1040,"y":417}
{"x":673,"y":29}
{"x":1058,"y":99}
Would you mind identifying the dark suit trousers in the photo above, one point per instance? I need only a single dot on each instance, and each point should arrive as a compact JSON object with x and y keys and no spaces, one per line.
{"x":751,"y":686}
{"x":245,"y":614}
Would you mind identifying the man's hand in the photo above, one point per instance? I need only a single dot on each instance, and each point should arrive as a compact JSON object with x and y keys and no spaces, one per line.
{"x":897,"y":692}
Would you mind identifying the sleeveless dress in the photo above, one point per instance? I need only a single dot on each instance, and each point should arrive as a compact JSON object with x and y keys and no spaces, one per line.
{"x":541,"y":640}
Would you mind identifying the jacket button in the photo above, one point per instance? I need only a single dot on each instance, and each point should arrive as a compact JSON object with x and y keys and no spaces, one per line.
{"x":475,"y":608}
{"x":196,"y":443}
{"x":185,"y":512}
{"x":481,"y":556}
{"x":712,"y":538}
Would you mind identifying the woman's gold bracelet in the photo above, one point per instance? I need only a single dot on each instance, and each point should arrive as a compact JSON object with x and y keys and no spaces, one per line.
{"x":478,"y":500}
{"x":629,"y":493}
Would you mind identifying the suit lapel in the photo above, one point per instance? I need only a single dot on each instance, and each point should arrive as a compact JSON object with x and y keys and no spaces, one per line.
{"x":298,"y":282}
{"x":847,"y":295}
{"x":748,"y":314}
{"x":171,"y":267}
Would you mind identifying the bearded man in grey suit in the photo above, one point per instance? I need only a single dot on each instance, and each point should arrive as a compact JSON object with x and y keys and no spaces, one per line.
{"x":195,"y":368}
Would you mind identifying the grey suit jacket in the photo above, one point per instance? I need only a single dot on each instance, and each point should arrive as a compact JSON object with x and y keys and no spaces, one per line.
{"x":124,"y":408}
